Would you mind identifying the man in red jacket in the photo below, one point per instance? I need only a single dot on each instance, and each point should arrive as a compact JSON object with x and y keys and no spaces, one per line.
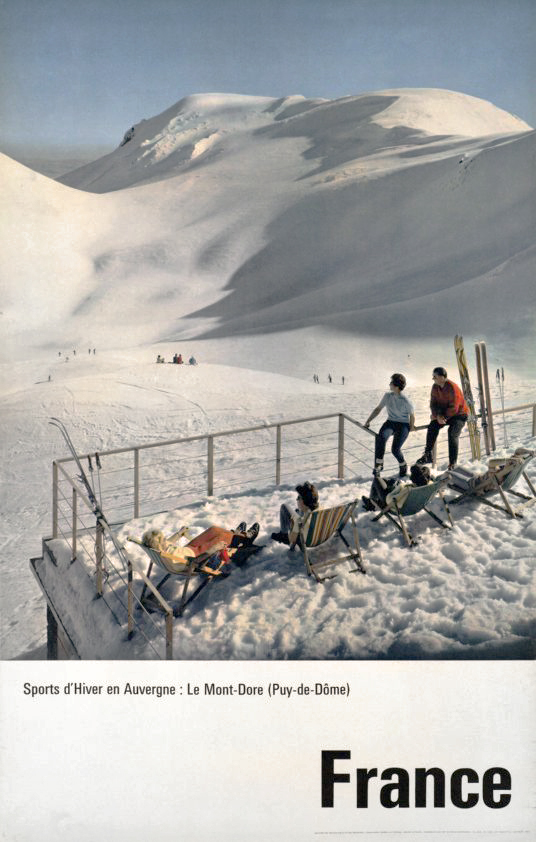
{"x":448,"y":409}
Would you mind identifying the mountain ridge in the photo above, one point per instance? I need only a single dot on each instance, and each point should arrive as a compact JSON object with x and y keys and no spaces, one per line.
{"x":257,"y":213}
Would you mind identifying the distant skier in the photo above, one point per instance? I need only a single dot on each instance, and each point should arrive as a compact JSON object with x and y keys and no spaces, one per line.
{"x":342,"y":378}
{"x":180,"y":359}
{"x":329,"y":378}
{"x":192,"y":360}
{"x":448,"y":409}
{"x":400,"y":422}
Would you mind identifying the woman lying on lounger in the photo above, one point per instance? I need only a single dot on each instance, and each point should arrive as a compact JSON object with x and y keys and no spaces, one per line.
{"x":213,"y":540}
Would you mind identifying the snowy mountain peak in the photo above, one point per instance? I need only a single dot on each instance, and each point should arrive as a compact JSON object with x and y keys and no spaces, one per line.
{"x":203,"y":125}
{"x":257,"y":215}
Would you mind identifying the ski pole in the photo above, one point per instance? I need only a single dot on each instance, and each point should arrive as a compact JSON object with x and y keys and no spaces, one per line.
{"x":500,"y":384}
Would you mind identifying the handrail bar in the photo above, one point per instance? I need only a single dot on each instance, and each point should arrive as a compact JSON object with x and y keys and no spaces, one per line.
{"x":71,"y":483}
{"x":516,"y":408}
{"x":204,"y":436}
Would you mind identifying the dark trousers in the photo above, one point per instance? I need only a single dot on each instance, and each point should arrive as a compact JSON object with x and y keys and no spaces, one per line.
{"x":285,"y":518}
{"x":399,"y":430}
{"x":454,"y":425}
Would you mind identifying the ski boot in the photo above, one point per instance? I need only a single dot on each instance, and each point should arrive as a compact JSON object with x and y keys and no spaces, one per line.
{"x":252,"y":533}
{"x":378,"y":468}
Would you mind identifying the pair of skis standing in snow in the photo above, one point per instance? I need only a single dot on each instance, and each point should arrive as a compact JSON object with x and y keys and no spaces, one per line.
{"x":450,"y":406}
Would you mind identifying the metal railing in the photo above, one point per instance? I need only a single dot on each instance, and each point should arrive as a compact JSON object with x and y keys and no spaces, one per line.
{"x":331,"y":445}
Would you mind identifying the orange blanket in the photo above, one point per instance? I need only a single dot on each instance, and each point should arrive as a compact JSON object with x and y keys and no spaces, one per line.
{"x":214,"y":534}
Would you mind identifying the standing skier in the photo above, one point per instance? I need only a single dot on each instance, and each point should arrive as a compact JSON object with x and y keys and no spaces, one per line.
{"x":448,"y":409}
{"x":400,"y":422}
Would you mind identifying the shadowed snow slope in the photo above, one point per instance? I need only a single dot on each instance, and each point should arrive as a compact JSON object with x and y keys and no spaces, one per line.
{"x":229,"y":215}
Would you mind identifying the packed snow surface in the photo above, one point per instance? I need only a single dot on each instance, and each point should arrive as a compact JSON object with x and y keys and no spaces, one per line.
{"x":275,"y":239}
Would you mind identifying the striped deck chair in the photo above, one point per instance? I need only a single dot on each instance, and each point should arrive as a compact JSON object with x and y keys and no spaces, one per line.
{"x":205,"y":566}
{"x":416,"y":501}
{"x":318,"y":528}
{"x":501,"y":476}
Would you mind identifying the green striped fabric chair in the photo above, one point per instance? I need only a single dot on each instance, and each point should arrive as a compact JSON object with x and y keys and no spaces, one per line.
{"x":321,"y":526}
{"x":416,"y":501}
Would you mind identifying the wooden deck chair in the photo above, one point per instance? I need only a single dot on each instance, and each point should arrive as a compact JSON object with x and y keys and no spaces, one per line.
{"x":318,"y":528}
{"x":417,"y":500}
{"x":501,"y":476}
{"x":207,"y":566}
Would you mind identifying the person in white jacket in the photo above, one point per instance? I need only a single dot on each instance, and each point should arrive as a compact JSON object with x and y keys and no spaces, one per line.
{"x":400,"y":422}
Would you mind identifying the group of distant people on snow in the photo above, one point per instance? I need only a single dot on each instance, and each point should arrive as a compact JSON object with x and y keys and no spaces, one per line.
{"x":177,"y":359}
{"x":66,"y":358}
{"x":316,"y":379}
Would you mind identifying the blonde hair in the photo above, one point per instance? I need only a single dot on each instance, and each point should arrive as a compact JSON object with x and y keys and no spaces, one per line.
{"x":155,"y":539}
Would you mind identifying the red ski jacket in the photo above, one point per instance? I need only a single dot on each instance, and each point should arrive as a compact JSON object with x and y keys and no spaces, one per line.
{"x":448,"y":401}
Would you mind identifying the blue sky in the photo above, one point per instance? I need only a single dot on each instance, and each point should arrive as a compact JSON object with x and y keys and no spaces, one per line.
{"x":82,"y":71}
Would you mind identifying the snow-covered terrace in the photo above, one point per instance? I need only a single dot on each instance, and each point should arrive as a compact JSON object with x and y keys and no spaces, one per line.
{"x":468,"y":592}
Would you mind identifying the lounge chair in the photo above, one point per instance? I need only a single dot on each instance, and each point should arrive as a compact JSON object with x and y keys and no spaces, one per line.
{"x":206,"y":566}
{"x":411,"y":500}
{"x":501,"y":476}
{"x":318,"y":527}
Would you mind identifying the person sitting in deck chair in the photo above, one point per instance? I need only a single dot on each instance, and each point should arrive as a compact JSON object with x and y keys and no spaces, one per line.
{"x":289,"y":521}
{"x":213,"y":540}
{"x":383,"y":492}
{"x":498,"y":469}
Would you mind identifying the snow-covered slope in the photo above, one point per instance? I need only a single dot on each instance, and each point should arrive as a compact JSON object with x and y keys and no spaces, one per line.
{"x":229,"y":215}
{"x":353,"y":237}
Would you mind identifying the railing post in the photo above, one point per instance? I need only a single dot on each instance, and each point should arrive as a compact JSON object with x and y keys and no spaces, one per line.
{"x":534,"y":420}
{"x":136,"y":482}
{"x":54,"y":500}
{"x":99,"y":555}
{"x":52,"y":636}
{"x":130,"y":600}
{"x":210,"y":466}
{"x":434,"y":454}
{"x":340,"y":471}
{"x":74,"y":524}
{"x":278,"y":455}
{"x":169,"y":636}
